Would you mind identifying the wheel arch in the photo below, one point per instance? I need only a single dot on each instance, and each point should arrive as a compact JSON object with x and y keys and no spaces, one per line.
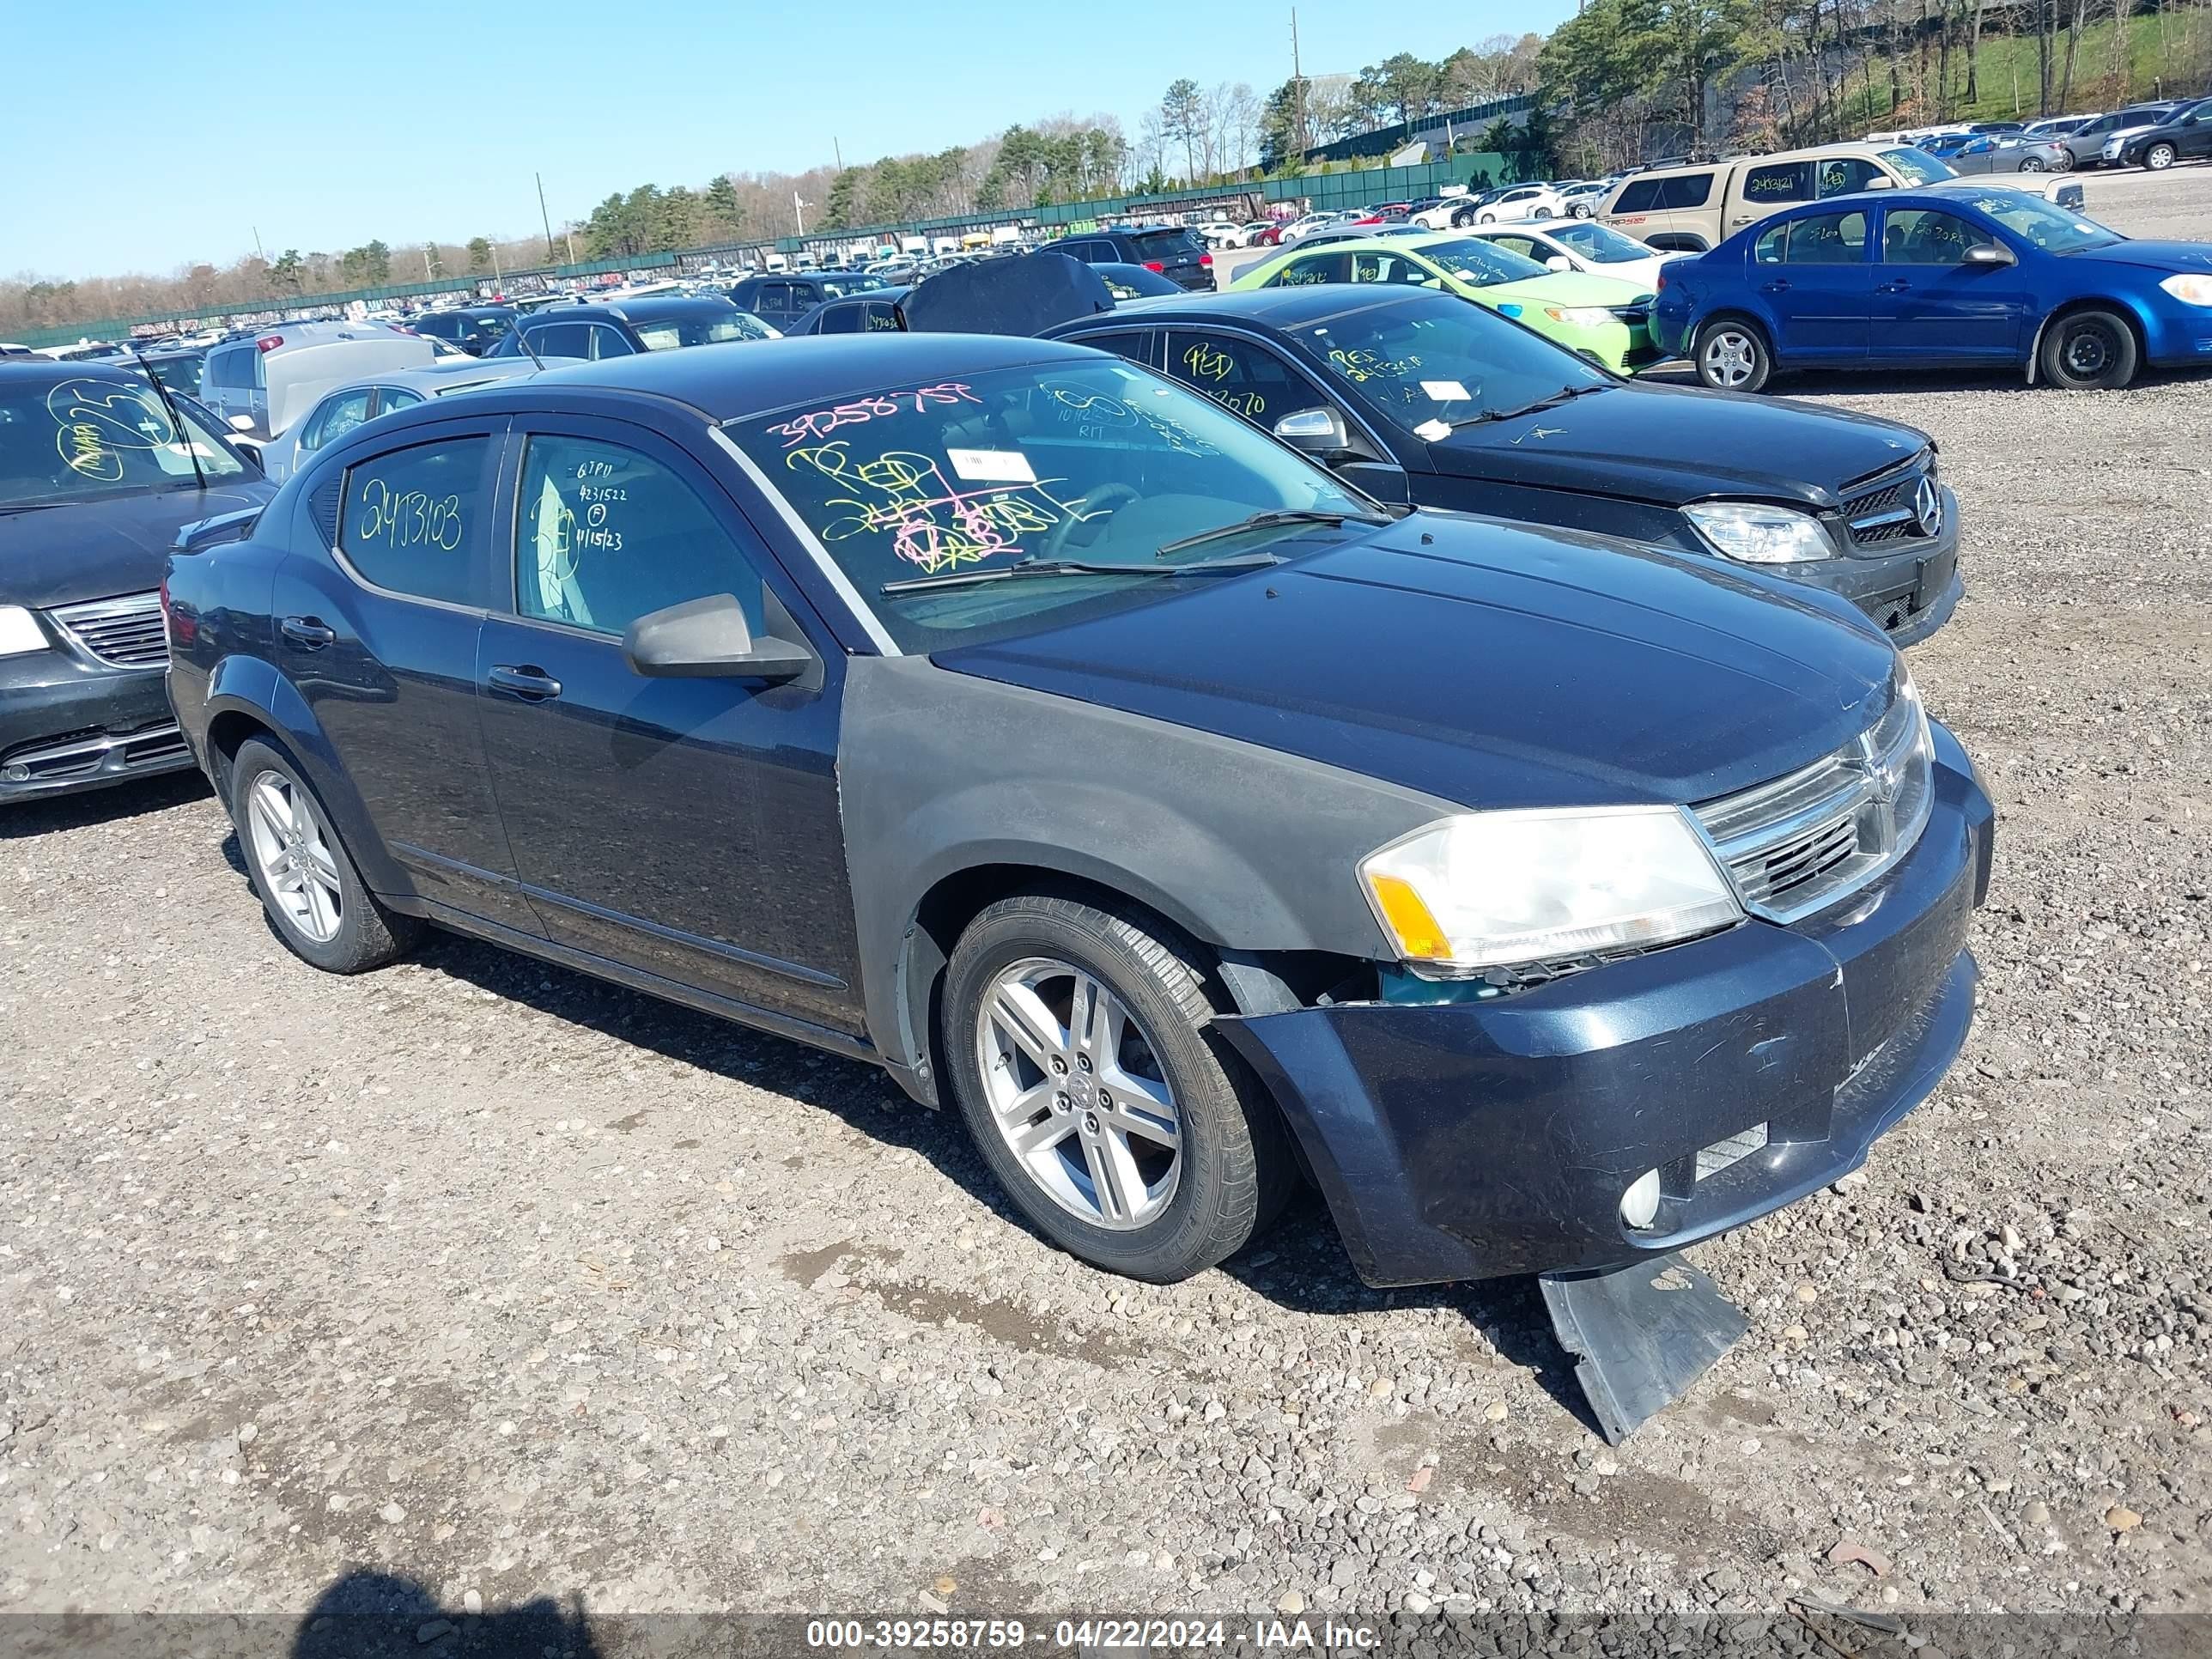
{"x":2124,"y":309}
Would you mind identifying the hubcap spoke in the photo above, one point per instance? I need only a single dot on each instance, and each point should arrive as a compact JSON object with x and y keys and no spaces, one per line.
{"x":1062,"y":1057}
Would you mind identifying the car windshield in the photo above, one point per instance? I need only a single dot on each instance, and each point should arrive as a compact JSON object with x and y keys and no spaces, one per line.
{"x":83,"y":438}
{"x":180,"y":374}
{"x":1600,"y":244}
{"x":2047,"y":225}
{"x":1918,"y":166}
{"x":1479,"y":264}
{"x":1427,"y":361}
{"x":667,"y":333}
{"x":1078,"y":460}
{"x":836,"y":287}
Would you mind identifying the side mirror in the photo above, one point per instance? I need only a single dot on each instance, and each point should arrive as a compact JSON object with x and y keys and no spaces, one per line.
{"x":241,"y":423}
{"x":1984,"y":254}
{"x":710,"y":639}
{"x":1319,"y":433}
{"x":1879,"y":181}
{"x":1558,"y":262}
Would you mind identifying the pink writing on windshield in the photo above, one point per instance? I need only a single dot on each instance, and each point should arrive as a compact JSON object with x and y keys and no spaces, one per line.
{"x":821,"y":422}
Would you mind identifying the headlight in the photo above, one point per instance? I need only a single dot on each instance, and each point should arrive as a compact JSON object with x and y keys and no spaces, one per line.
{"x":1484,"y":889}
{"x":1581,"y":316}
{"x":1761,"y":535}
{"x":2190,"y":287}
{"x":20,"y":632}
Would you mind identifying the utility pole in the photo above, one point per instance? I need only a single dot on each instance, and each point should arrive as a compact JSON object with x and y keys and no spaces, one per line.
{"x":798,"y":212}
{"x":571,"y":235}
{"x":1297,"y":87}
{"x":429,"y":265}
{"x":259,"y":252}
{"x":544,"y":218}
{"x":837,"y":150}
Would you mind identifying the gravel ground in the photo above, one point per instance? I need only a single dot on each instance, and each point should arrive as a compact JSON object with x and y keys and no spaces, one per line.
{"x":511,"y":1284}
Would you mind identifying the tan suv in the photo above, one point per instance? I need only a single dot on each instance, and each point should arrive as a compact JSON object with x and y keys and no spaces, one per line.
{"x":1694,"y":208}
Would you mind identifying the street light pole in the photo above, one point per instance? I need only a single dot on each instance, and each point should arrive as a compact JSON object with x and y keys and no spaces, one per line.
{"x":798,"y":212}
{"x":544,"y":218}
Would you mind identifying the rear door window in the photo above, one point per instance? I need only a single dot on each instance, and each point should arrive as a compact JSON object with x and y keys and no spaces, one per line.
{"x":563,"y":340}
{"x":1687,"y":190}
{"x":1827,"y":239}
{"x":337,"y":417}
{"x":1779,"y":181}
{"x":1638,"y":196}
{"x":413,"y":518}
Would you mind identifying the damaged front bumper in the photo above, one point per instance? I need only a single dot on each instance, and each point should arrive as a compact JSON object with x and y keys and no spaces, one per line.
{"x":1473,"y":1139}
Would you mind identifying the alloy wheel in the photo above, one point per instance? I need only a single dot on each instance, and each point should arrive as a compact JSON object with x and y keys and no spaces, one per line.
{"x":1078,"y":1093}
{"x":2159,"y":158}
{"x":1730,"y":358}
{"x":294,"y":854}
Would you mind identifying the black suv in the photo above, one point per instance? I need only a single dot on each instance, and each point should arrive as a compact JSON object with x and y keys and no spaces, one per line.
{"x":1175,"y":253}
{"x":474,"y":328}
{"x":782,"y":298}
{"x":653,"y":323}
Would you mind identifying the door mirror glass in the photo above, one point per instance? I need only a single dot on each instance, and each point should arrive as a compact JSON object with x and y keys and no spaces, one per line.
{"x":709,"y":639}
{"x":1984,"y":253}
{"x":1317,"y":431}
{"x":241,"y":423}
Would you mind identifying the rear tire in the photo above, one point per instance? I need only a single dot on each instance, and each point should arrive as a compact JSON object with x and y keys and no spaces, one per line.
{"x":1732,"y":355}
{"x":2030,"y":164}
{"x":2160,"y":156}
{"x":304,"y":878}
{"x":2089,"y":351}
{"x":1034,"y":1076}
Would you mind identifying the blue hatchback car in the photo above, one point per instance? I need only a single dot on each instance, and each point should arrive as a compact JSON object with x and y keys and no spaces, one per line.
{"x":1925,"y":279}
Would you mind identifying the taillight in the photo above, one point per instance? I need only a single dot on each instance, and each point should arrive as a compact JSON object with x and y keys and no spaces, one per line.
{"x":269,"y":342}
{"x":1660,"y":285}
{"x":1154,"y":264}
{"x":1205,"y":259}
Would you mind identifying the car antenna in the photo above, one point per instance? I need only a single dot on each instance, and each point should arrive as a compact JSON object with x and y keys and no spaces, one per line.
{"x":522,"y":339}
{"x":176,"y":419}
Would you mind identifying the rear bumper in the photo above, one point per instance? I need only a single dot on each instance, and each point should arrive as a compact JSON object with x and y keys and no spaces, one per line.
{"x":64,"y":727}
{"x":1470,"y":1139}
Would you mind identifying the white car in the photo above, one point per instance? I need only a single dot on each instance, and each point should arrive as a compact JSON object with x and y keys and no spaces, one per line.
{"x":345,"y":407}
{"x":1439,"y":217}
{"x":1581,"y":244}
{"x":1581,"y":200}
{"x":1522,"y":202}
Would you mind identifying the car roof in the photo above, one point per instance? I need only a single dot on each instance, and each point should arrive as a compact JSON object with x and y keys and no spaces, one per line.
{"x":1294,"y":307}
{"x":48,"y":371}
{"x":436,"y":377}
{"x":641,"y":307}
{"x":730,"y":381}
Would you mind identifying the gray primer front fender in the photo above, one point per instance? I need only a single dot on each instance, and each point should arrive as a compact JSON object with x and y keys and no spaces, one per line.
{"x":1244,"y":848}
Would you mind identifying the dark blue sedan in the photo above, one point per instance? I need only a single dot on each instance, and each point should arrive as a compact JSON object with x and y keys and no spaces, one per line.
{"x":1014,"y":718}
{"x":1923,"y":279}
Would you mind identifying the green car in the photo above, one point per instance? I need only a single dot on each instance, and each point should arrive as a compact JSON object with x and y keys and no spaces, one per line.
{"x":1606,"y":320}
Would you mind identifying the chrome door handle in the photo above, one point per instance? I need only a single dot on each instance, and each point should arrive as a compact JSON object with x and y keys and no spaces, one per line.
{"x":309,"y":632}
{"x":529,"y":683}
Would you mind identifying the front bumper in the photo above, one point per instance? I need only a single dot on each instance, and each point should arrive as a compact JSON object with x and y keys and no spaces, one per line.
{"x":1908,"y":589}
{"x":1469,"y":1139}
{"x":67,"y":725}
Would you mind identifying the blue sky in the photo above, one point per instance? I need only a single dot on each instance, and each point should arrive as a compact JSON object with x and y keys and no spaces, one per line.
{"x":167,"y":134}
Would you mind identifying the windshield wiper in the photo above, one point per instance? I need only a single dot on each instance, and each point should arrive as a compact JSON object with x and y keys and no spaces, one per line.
{"x":1033,"y":566}
{"x":1565,"y":394}
{"x":1276,"y":515}
{"x":7,"y":507}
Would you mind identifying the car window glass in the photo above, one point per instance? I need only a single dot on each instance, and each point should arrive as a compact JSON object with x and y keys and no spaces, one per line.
{"x":1135,"y":344}
{"x":232,"y":368}
{"x":1827,"y":239}
{"x":1389,"y":268}
{"x":605,"y":535}
{"x":337,"y":416}
{"x":1526,"y":247}
{"x":562,"y":340}
{"x":1767,"y":251}
{"x":413,"y":517}
{"x":1924,"y":236}
{"x":1688,"y":189}
{"x":1637,"y":196}
{"x":1239,"y":374}
{"x":841,"y":319}
{"x":1321,"y":268}
{"x":399,"y":398}
{"x":1842,"y":175}
{"x":609,"y":343}
{"x":1779,"y":181}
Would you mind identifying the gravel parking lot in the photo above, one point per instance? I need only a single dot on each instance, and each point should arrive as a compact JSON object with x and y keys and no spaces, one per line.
{"x":511,"y":1284}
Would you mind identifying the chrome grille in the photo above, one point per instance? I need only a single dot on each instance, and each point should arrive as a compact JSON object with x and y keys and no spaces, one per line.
{"x":127,"y":632}
{"x":1819,"y":834}
{"x":1889,"y":512}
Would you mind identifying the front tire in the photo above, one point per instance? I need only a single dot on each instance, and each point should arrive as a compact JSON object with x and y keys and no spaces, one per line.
{"x":2160,"y":156}
{"x":306,"y":879}
{"x":1732,"y":355}
{"x":2089,"y":351}
{"x":2030,"y":164}
{"x":1078,"y":1046}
